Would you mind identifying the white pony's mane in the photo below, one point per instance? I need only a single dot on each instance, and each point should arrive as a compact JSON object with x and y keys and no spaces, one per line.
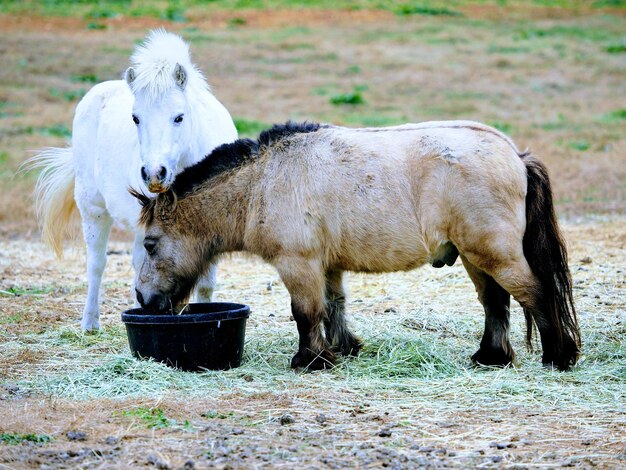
{"x":154,"y":61}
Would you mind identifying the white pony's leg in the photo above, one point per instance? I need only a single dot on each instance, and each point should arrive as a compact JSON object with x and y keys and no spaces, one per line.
{"x":96,"y":230}
{"x":139,"y":253}
{"x":206,"y":285}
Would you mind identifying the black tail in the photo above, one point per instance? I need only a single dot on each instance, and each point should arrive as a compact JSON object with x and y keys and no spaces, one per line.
{"x":546,"y":253}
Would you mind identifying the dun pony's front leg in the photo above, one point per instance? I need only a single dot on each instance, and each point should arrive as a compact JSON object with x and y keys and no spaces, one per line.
{"x":337,"y":332}
{"x":304,"y":279}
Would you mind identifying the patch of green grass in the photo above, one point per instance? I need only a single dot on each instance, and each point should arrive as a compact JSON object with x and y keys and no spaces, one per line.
{"x":17,"y":291}
{"x":352,"y":98}
{"x":71,"y":95}
{"x":236,"y":21}
{"x":77,"y":338}
{"x":174,"y":11}
{"x":153,"y":418}
{"x":85,"y":78}
{"x":615,"y":48}
{"x":15,"y":438}
{"x":146,"y":9}
{"x":406,"y":10}
{"x":609,"y":3}
{"x":502,"y":126}
{"x":96,"y":26}
{"x":11,"y":319}
{"x":102,"y":12}
{"x":56,"y":130}
{"x":617,"y":115}
{"x":353,"y":70}
{"x":580,"y":145}
{"x":249,"y":127}
{"x":214,"y":414}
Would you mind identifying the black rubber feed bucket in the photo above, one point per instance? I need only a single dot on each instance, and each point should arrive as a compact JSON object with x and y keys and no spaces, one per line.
{"x":204,"y":336}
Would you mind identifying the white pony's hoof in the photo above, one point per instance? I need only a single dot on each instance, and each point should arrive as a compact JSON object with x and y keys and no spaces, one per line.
{"x":90,"y":325}
{"x":204,"y":294}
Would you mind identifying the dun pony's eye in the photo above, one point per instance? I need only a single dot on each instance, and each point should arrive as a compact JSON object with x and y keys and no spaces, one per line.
{"x":150,"y":245}
{"x":135,"y":119}
{"x":178,"y":119}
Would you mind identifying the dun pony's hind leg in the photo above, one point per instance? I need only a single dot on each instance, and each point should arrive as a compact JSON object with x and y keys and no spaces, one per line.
{"x":337,"y":332}
{"x":206,"y":285}
{"x":304,"y":279}
{"x":495,"y":348}
{"x":513,"y":273}
{"x":96,"y":228}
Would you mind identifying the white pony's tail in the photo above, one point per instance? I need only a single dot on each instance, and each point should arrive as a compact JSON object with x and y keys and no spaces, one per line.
{"x":54,"y":195}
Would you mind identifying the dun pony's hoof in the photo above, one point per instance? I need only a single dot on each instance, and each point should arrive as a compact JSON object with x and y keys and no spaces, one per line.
{"x":351,"y":347}
{"x":492,"y":357}
{"x":566,"y":359}
{"x":312,"y":361}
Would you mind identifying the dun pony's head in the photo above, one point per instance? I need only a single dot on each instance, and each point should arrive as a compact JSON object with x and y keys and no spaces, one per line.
{"x":175,"y":257}
{"x":163,"y":81}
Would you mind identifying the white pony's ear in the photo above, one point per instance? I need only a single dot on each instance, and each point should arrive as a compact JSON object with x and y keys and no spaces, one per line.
{"x":130,"y":75}
{"x":180,"y":75}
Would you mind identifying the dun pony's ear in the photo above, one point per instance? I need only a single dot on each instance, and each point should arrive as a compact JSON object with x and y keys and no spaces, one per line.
{"x":141,"y":197}
{"x":130,"y":75}
{"x":180,"y":75}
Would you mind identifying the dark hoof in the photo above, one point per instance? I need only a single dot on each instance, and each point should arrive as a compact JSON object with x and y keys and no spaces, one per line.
{"x":565,"y":360}
{"x":492,"y":357}
{"x":351,"y":347}
{"x":311,"y":361}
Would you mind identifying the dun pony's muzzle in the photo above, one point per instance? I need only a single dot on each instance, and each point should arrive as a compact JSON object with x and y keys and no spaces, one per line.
{"x":157,"y":303}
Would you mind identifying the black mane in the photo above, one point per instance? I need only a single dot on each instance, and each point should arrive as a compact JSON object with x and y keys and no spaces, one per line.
{"x":280,"y":131}
{"x":230,"y":156}
{"x":221,"y":159}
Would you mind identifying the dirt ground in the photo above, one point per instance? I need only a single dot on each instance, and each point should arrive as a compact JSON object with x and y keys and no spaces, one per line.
{"x":542,"y":75}
{"x":312,"y":420}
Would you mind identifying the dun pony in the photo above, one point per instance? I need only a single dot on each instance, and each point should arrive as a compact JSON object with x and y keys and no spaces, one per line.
{"x":316,"y":201}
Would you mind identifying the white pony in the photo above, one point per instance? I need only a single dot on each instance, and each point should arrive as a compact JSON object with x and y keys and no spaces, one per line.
{"x":141,"y":130}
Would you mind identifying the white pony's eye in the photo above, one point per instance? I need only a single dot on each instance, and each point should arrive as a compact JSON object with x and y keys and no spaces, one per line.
{"x":178,"y":119}
{"x":135,"y":119}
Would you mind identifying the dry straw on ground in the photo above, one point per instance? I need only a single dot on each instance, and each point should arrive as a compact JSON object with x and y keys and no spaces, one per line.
{"x":412,"y":381}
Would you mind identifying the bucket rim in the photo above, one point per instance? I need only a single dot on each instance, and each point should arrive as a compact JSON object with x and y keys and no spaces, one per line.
{"x":200,"y":312}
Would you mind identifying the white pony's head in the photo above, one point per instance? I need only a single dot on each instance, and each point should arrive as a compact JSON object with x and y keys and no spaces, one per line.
{"x":162,"y":78}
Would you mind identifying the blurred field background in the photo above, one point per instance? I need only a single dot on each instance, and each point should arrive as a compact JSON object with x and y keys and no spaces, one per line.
{"x":549,"y":73}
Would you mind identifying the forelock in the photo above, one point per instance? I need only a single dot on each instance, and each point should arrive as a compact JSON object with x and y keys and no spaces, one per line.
{"x":154,"y":62}
{"x":146,"y":216}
